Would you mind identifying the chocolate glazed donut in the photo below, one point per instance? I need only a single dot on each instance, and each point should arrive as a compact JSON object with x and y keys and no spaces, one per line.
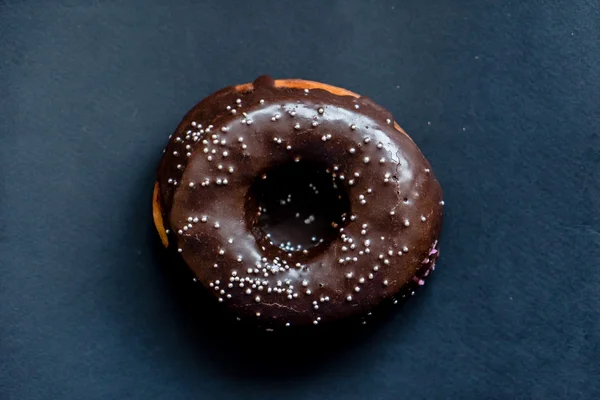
{"x":298,"y":203}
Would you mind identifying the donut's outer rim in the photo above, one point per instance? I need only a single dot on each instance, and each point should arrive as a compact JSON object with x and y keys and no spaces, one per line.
{"x":279,"y":83}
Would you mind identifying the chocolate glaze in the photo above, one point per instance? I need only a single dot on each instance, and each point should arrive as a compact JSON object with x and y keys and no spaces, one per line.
{"x":231,"y":139}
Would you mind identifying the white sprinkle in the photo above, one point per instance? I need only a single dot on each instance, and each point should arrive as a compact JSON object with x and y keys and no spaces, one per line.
{"x":297,"y":126}
{"x":385,"y":283}
{"x":180,"y":250}
{"x":257,"y":299}
{"x":321,"y":111}
{"x":353,"y":127}
{"x":352,"y":150}
{"x":406,"y":222}
{"x":405,"y":249}
{"x":381,"y":160}
{"x":191,"y":184}
{"x":262,"y":101}
{"x":217,"y":225}
{"x":349,"y":298}
{"x":389,"y":121}
{"x":366,"y":160}
{"x":357,"y":289}
{"x":423,"y":218}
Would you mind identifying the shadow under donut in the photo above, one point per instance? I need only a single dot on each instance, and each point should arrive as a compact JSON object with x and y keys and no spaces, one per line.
{"x":246,"y":352}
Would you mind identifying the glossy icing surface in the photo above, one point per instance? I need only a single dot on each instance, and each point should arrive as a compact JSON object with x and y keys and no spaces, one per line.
{"x":386,"y":232}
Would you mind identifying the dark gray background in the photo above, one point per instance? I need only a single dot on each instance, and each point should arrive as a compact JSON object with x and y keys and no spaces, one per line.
{"x":502,"y":96}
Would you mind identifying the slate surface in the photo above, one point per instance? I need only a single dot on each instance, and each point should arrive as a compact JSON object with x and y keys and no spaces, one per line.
{"x":502,"y":96}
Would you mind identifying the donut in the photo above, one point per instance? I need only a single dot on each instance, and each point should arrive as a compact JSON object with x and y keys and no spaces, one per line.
{"x":297,"y":203}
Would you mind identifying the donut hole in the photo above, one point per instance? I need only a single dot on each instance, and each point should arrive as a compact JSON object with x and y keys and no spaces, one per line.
{"x":297,"y":207}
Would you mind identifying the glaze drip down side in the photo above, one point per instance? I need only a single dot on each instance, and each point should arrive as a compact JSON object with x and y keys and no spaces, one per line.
{"x":298,"y":203}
